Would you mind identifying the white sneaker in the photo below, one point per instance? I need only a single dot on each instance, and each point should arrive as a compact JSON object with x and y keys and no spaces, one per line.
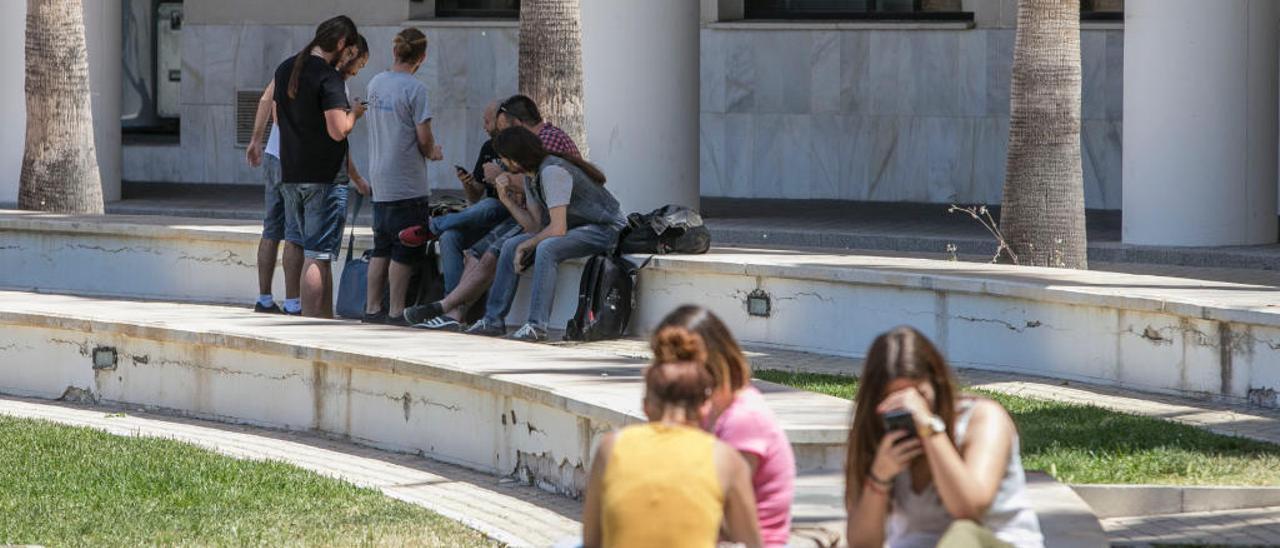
{"x":529,"y":333}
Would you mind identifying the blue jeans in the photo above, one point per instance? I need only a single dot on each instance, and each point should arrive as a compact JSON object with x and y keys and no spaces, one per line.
{"x":582,"y":241}
{"x":458,"y":231}
{"x":318,"y":212}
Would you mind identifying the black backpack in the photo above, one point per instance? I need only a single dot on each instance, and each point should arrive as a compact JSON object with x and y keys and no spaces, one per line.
{"x":605,"y":299}
{"x":668,"y":229}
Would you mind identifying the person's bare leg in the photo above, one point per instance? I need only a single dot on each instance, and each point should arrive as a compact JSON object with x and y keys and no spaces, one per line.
{"x":473,"y":284}
{"x":317,"y":289}
{"x":267,"y":250}
{"x":293,"y":260}
{"x":376,"y":285}
{"x":399,"y":279}
{"x":326,"y":277}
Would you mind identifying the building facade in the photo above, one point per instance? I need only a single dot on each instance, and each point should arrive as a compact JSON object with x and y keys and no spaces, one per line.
{"x":874,"y":100}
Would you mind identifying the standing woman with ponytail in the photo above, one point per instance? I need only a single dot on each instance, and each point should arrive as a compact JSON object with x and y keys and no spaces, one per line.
{"x":315,"y":118}
{"x":741,"y":418}
{"x":400,"y":143}
{"x":668,"y":483}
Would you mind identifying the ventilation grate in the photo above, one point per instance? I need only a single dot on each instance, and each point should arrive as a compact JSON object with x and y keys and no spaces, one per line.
{"x":246,"y":109}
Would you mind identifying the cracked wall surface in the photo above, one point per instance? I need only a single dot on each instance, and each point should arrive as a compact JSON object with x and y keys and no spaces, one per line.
{"x":449,"y":422}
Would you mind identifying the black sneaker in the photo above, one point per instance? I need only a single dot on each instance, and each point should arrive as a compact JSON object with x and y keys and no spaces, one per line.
{"x":397,"y":321}
{"x":440,"y":323}
{"x":375,"y":318}
{"x":486,"y":329}
{"x":415,"y":315}
{"x":273,"y":309}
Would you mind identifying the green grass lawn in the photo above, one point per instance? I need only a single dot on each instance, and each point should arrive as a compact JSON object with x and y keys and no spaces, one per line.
{"x":1085,"y":444}
{"x":65,"y":486}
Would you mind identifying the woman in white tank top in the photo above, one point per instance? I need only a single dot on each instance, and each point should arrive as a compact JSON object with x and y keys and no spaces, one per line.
{"x":927,"y":466}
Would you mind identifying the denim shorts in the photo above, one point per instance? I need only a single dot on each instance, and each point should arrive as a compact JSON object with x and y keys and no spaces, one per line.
{"x":319,"y":213}
{"x":389,"y":218}
{"x":492,"y":242}
{"x":273,"y":224}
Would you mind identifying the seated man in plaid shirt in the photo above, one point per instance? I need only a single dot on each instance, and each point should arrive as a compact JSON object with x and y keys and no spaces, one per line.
{"x":481,"y":259}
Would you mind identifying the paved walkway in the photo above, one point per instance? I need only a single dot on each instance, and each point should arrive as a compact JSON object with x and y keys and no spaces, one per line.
{"x":504,"y":510}
{"x":1223,"y":418}
{"x":1254,"y":527}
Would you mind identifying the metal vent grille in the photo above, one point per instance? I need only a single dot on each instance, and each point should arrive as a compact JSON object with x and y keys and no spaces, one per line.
{"x":246,"y":109}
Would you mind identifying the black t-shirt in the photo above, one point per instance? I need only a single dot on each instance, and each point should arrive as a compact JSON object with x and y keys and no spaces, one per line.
{"x":307,"y":153}
{"x":486,"y":155}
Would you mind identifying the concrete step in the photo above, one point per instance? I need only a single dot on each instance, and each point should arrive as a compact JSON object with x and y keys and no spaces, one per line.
{"x":497,"y":406}
{"x":1179,"y":336}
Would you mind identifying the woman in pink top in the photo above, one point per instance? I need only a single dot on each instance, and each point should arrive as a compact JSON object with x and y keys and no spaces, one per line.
{"x":740,"y":418}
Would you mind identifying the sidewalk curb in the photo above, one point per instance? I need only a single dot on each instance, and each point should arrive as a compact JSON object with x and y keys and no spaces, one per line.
{"x":1115,"y":501}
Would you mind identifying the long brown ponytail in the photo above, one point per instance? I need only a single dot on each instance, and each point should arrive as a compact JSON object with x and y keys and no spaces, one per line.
{"x":328,"y":35}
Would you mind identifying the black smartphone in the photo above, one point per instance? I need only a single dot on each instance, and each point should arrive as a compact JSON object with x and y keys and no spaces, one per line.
{"x":900,"y":419}
{"x":461,"y":170}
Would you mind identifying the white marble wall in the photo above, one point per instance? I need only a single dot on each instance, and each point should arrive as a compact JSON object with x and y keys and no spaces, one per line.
{"x":842,"y":114}
{"x":883,"y":115}
{"x":466,"y":67}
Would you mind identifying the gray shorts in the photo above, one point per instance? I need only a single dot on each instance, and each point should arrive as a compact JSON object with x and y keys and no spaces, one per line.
{"x":492,"y":242}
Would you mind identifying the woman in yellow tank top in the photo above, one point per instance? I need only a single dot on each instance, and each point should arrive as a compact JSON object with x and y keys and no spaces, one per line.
{"x":668,"y":483}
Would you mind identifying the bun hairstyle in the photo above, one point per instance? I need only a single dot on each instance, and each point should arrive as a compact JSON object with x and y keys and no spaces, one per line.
{"x":721,"y":356}
{"x":410,"y":46}
{"x":681,"y":384}
{"x":677,"y":344}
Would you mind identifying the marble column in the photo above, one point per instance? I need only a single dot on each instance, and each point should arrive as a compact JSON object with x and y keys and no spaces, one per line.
{"x":640,"y":61}
{"x":103,"y":25}
{"x":1200,"y":122}
{"x":13,"y":106}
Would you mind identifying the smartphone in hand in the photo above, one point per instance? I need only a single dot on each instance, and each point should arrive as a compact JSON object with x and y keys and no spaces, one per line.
{"x":900,"y":419}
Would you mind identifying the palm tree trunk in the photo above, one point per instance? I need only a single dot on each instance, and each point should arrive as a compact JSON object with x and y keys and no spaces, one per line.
{"x":1043,"y":208}
{"x":551,"y":63}
{"x":59,"y":164}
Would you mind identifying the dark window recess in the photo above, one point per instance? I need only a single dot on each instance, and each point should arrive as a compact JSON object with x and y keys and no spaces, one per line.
{"x":942,"y":10}
{"x":1102,"y":10}
{"x":478,"y":8}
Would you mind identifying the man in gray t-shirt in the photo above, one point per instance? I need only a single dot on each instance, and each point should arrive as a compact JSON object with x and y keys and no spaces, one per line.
{"x":398,"y":111}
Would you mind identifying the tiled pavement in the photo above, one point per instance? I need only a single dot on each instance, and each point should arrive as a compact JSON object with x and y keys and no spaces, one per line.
{"x":1254,"y":527}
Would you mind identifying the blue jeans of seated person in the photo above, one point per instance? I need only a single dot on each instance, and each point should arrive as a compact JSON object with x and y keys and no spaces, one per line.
{"x":582,"y":241}
{"x":458,"y":231}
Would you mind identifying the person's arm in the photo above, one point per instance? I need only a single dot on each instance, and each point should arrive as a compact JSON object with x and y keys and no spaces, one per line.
{"x":741,"y":524}
{"x":968,"y":480}
{"x":339,"y":121}
{"x":266,"y":108}
{"x":867,"y":505}
{"x":557,"y":227}
{"x":966,"y":483}
{"x":362,"y":186}
{"x":427,"y":142}
{"x":593,"y":502}
{"x":340,"y":115}
{"x":507,"y":190}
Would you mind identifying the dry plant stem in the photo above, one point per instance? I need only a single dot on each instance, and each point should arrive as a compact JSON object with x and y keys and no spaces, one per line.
{"x":984,"y":218}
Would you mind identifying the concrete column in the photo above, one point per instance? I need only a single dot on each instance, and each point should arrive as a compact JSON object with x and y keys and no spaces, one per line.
{"x":13,"y":100}
{"x":1200,"y":122}
{"x":641,"y":81}
{"x":103,"y":25}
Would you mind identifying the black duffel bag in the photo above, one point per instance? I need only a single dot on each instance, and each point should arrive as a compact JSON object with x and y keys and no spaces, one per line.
{"x":668,"y":229}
